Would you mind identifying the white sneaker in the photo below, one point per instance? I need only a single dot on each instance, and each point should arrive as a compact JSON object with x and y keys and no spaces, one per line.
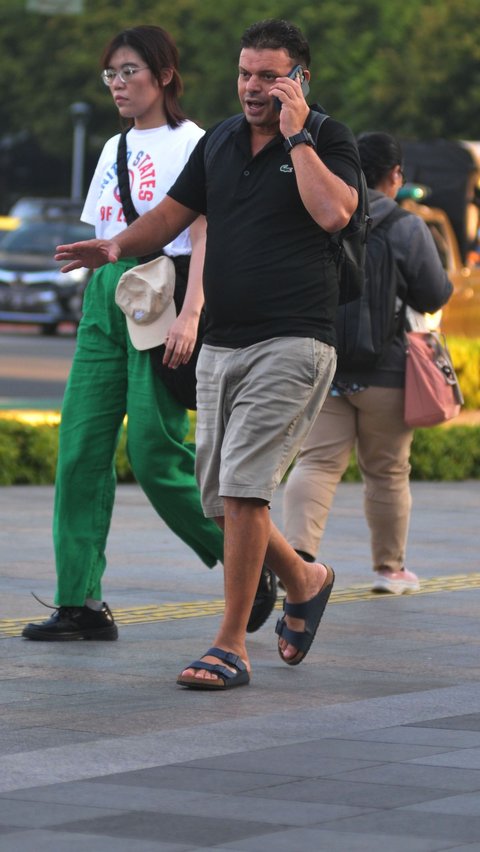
{"x":396,"y":582}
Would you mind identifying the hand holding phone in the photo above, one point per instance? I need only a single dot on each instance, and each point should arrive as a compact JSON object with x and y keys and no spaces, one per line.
{"x":296,"y":72}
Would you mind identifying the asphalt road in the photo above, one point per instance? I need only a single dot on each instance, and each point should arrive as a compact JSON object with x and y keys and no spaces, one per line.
{"x":34,"y":368}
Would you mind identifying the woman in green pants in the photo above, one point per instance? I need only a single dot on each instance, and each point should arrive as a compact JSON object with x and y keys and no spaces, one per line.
{"x":110,"y":378}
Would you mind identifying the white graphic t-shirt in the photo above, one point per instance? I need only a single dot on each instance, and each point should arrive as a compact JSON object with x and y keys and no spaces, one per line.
{"x":155,"y":159}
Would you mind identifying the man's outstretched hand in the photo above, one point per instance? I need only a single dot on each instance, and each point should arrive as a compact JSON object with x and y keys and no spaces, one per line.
{"x":89,"y":253}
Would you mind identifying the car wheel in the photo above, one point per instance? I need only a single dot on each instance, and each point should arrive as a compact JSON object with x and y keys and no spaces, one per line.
{"x":50,"y":329}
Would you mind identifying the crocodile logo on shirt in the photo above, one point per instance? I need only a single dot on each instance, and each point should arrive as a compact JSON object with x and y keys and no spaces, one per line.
{"x":286,"y":169}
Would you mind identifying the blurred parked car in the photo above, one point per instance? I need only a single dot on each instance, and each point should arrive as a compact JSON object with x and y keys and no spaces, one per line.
{"x":39,"y":208}
{"x":32,"y":288}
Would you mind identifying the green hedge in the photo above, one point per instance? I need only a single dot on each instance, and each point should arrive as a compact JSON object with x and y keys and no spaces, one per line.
{"x":440,"y":453}
{"x":28,"y":454}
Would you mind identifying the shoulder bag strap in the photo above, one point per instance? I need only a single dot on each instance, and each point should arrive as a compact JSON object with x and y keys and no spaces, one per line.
{"x":218,"y":136}
{"x":402,"y":285}
{"x":123,"y":177}
{"x":124,"y":181}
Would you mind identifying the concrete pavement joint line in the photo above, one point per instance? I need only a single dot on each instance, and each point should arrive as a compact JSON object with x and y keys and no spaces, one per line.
{"x":106,"y":756}
{"x":199,"y":609}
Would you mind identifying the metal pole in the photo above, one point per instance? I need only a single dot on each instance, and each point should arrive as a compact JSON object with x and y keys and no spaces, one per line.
{"x":80,"y":113}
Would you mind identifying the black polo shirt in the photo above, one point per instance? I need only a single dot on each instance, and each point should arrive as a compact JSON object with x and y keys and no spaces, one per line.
{"x":268,"y":269}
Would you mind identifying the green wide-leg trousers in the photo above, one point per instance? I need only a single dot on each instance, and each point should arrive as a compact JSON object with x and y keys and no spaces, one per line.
{"x":108,"y":380}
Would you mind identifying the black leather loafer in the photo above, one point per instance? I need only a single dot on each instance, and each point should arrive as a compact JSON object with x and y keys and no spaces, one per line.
{"x":69,"y":623}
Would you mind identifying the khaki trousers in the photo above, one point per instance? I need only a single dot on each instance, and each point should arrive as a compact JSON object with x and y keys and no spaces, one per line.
{"x":371,"y":422}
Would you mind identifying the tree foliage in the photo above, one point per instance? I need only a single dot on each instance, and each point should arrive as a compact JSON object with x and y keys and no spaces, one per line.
{"x":408,"y":66}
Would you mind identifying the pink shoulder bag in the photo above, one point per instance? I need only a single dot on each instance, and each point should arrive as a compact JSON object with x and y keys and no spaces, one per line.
{"x":432,"y":392}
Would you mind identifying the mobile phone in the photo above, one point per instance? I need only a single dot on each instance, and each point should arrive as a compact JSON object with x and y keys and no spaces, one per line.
{"x":297,"y":71}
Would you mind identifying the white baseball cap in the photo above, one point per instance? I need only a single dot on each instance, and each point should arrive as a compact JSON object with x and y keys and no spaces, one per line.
{"x":145,"y":295}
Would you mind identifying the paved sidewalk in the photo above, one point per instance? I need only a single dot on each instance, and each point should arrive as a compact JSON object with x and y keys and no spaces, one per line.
{"x":372,"y":744}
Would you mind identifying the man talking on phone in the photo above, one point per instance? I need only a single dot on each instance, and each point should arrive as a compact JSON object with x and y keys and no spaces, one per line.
{"x":272,"y":196}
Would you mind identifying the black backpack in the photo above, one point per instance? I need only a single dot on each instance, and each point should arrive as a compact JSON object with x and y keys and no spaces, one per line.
{"x":348,"y":245}
{"x":366,"y":326}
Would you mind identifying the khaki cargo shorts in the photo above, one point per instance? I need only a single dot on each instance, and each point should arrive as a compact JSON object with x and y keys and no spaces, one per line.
{"x":255,"y":407}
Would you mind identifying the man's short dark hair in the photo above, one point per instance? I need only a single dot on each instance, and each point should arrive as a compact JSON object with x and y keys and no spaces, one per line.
{"x":274,"y":34}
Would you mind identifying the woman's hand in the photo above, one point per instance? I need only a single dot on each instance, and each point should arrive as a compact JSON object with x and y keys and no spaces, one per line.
{"x":180,"y":341}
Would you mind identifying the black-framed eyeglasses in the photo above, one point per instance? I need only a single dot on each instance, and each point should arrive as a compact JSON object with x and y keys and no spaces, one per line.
{"x":125,"y":74}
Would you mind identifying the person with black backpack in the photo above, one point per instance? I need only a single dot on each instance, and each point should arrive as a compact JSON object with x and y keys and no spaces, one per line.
{"x":364,"y":409}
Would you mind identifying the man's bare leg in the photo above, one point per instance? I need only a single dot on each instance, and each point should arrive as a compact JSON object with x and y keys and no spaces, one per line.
{"x":246,"y":525}
{"x":302,"y":580}
{"x":250,"y":538}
